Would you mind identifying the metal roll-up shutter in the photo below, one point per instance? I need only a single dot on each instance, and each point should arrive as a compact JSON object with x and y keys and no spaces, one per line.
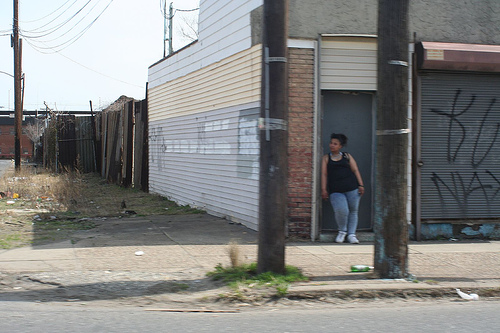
{"x":460,"y":146}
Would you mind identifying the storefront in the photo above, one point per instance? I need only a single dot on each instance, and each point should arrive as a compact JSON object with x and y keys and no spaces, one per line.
{"x":456,"y":169}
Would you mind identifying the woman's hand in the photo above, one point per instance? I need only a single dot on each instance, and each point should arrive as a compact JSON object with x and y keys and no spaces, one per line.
{"x":361,"y":190}
{"x":324,"y":194}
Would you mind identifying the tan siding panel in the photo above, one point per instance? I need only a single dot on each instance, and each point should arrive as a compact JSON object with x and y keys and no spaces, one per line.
{"x":348,"y":63}
{"x":232,"y":81}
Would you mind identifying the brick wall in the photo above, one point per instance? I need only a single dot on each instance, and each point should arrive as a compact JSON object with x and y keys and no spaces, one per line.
{"x":7,"y":142}
{"x":300,"y":141}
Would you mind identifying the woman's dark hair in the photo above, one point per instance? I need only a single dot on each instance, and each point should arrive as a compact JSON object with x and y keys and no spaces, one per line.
{"x":341,"y":137}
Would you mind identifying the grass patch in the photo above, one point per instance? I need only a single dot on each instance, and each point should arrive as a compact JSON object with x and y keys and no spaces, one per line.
{"x":41,"y":207}
{"x":8,"y":240}
{"x":433,"y":282}
{"x":246,"y":275}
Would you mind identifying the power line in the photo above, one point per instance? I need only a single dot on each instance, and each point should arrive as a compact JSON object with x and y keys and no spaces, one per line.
{"x":97,"y":72}
{"x":187,"y":10}
{"x":57,"y":27}
{"x":92,"y":70}
{"x":7,"y":73}
{"x":70,"y":41}
{"x":41,"y":18}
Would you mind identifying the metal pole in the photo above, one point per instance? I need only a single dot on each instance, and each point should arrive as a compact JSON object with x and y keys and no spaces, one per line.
{"x":164,"y":28}
{"x":170,"y":34}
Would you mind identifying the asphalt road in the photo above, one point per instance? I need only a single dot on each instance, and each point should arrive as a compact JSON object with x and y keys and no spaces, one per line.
{"x":410,"y":316}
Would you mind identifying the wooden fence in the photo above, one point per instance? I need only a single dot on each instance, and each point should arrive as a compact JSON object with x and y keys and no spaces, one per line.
{"x":113,"y":143}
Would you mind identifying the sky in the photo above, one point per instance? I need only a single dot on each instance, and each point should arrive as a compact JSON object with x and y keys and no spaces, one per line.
{"x":76,"y":51}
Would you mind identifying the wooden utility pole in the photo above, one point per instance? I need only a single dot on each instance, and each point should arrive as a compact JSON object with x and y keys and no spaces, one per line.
{"x":391,"y":227}
{"x":273,"y":138}
{"x":18,"y":112}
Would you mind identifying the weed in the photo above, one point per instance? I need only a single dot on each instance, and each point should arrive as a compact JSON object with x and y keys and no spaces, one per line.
{"x":7,"y":240}
{"x":246,"y":275}
{"x":234,"y":253}
{"x":431,"y":282}
{"x":51,"y":206}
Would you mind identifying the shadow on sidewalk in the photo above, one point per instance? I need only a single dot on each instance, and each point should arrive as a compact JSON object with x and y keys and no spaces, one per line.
{"x":195,"y":229}
{"x":32,"y":289}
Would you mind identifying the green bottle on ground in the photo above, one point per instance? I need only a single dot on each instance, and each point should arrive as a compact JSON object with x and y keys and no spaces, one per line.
{"x":360,"y":268}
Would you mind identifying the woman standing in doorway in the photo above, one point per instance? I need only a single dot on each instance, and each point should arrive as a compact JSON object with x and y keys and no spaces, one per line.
{"x":341,"y":182}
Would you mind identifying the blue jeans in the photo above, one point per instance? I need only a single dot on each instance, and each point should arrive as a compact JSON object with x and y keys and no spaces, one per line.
{"x":345,"y":207}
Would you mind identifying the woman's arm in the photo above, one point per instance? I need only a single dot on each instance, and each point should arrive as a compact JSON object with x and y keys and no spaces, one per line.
{"x":355,"y":170}
{"x":324,"y":177}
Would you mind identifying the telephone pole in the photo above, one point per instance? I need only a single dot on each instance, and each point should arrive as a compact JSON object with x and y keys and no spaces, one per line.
{"x":273,"y":138}
{"x":390,"y":225}
{"x":18,"y":112}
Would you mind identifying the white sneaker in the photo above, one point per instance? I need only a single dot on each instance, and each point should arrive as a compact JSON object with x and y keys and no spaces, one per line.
{"x":340,"y":237}
{"x":352,"y":239}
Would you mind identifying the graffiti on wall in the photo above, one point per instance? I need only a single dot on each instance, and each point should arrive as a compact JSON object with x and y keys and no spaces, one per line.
{"x":469,"y":144}
{"x":210,"y":137}
{"x":156,"y":144}
{"x":248,"y":146}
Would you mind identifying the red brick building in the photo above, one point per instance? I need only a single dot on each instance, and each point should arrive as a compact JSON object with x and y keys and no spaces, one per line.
{"x":7,"y":142}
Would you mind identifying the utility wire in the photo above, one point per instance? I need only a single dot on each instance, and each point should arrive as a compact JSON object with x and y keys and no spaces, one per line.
{"x":163,"y":9}
{"x":7,"y":73}
{"x":67,"y":43}
{"x":41,"y":18}
{"x":70,"y":29}
{"x":88,"y":68}
{"x":187,"y":10}
{"x":97,"y":72}
{"x":43,"y":33}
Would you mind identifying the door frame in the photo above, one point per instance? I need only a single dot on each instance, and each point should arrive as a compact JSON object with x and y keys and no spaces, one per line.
{"x":317,"y":202}
{"x":371,"y":171}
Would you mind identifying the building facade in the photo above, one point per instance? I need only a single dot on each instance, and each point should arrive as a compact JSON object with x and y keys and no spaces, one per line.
{"x":204,"y":105}
{"x":7,"y":140}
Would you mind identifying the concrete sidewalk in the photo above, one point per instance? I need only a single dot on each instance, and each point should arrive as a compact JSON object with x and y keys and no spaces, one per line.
{"x":185,"y":248}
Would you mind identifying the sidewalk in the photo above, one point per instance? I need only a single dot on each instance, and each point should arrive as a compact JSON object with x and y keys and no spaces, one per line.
{"x":133,"y":256}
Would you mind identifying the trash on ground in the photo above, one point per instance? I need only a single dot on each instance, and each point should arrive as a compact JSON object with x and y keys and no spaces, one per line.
{"x":139,"y":253}
{"x":360,"y":268}
{"x":469,"y":297}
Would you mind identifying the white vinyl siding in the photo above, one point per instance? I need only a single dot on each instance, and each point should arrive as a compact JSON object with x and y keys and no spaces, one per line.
{"x":224,"y":30}
{"x":209,"y":160}
{"x":348,"y":63}
{"x":204,"y":104}
{"x":204,"y":145}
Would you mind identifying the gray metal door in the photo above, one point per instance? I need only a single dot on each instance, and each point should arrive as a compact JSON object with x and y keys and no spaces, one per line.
{"x":460,"y":146}
{"x":350,"y":114}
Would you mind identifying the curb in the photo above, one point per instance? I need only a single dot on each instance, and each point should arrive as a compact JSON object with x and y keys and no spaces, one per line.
{"x":402,"y":293}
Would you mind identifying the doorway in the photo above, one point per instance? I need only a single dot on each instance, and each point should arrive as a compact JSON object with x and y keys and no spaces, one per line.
{"x":350,"y":113}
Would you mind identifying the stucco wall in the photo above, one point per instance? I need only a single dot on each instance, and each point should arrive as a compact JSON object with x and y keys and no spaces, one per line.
{"x":457,"y":21}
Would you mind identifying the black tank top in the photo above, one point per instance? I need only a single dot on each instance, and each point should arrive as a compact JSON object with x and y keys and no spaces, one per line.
{"x":341,"y":179}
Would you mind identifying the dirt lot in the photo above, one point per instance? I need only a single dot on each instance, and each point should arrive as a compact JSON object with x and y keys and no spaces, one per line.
{"x":40,"y":207}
